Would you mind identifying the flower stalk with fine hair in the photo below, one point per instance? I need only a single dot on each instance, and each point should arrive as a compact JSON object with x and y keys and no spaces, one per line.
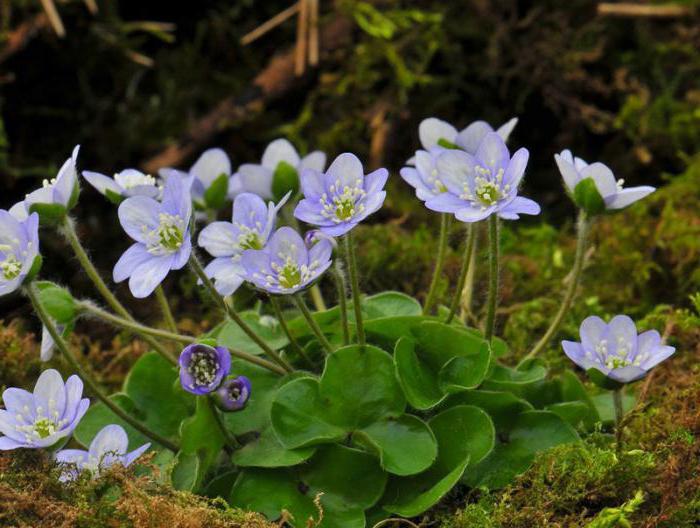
{"x":439,"y":263}
{"x":110,"y":446}
{"x":60,"y":343}
{"x":467,"y":260}
{"x":570,"y":293}
{"x":203,"y":368}
{"x":45,"y":417}
{"x":301,"y":304}
{"x":233,"y":315}
{"x":494,"y":251}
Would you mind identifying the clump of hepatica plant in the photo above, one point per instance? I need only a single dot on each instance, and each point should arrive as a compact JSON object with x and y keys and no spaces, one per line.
{"x":363,"y":414}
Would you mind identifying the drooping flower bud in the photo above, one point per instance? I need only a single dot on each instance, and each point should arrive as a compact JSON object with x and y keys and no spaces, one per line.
{"x":233,"y":394}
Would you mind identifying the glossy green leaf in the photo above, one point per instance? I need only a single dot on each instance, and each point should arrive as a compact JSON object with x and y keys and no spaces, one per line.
{"x":359,"y":387}
{"x":405,"y":445}
{"x":504,"y":378}
{"x":530,"y":433}
{"x":440,"y":343}
{"x":99,"y":416}
{"x":390,"y":304}
{"x":602,"y":381}
{"x":502,"y":407}
{"x":216,"y":195}
{"x":606,"y":409}
{"x":349,"y":480}
{"x":575,"y":413}
{"x":419,"y":382}
{"x":153,"y":385}
{"x":185,"y":472}
{"x":465,"y":372}
{"x":201,"y":436}
{"x":463,"y":433}
{"x":266,"y":451}
{"x":230,"y":334}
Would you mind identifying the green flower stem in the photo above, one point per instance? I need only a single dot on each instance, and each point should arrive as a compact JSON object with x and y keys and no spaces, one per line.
{"x":464,"y":271}
{"x":570,"y":293}
{"x":619,"y":414}
{"x":133,"y":326}
{"x":354,"y":285}
{"x":274,"y":302}
{"x":317,"y":298}
{"x":445,"y":221}
{"x":301,"y":304}
{"x":493,"y":277}
{"x":233,"y":315}
{"x":68,"y":230}
{"x":231,"y":441}
{"x":342,"y":300}
{"x":46,"y":320}
{"x":165,"y":309}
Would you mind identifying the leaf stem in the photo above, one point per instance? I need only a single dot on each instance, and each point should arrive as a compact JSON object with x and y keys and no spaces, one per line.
{"x":232,"y":314}
{"x":165,"y":309}
{"x":493,"y":277}
{"x":342,"y":300}
{"x":354,"y":285}
{"x":464,"y":271}
{"x":445,"y":221}
{"x":301,"y":304}
{"x":570,"y":293}
{"x":46,"y":320}
{"x":68,"y":231}
{"x":231,"y":441}
{"x":619,"y":414}
{"x":274,"y":302}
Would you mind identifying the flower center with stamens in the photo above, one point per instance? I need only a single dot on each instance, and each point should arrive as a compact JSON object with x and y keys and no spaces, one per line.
{"x":11,"y":267}
{"x":133,"y":179}
{"x":250,"y":240}
{"x":288,"y":275}
{"x":168,"y":236}
{"x":344,"y":203}
{"x":203,"y":367}
{"x":44,"y":427}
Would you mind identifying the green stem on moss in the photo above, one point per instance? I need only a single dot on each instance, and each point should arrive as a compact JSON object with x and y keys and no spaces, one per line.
{"x":342,"y":300}
{"x":492,"y":301}
{"x":274,"y":302}
{"x":619,"y":414}
{"x":230,"y":311}
{"x":354,"y":285}
{"x":570,"y":293}
{"x":445,"y":222}
{"x":60,"y":343}
{"x":301,"y":304}
{"x":68,"y":230}
{"x":466,"y":265}
{"x":165,"y":309}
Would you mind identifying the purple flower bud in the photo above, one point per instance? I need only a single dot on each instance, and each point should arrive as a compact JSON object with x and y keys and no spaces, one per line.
{"x":313,"y":237}
{"x":233,"y":394}
{"x":202,"y":368}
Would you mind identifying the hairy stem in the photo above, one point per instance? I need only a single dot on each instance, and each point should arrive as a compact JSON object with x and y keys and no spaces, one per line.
{"x":301,"y":304}
{"x":233,"y":315}
{"x":274,"y":302}
{"x":619,"y":414}
{"x":68,"y":230}
{"x":342,"y":300}
{"x":231,"y":441}
{"x":466,"y":265}
{"x":46,"y":320}
{"x":165,"y":309}
{"x":570,"y":293}
{"x":493,"y":277}
{"x":445,"y":221}
{"x":354,"y":285}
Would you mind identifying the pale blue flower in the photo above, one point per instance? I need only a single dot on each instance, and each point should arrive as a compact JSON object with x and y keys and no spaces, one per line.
{"x":616,"y":350}
{"x":212,"y":165}
{"x":278,"y":156}
{"x":339,"y":199}
{"x":614,"y":196}
{"x":45,"y":417}
{"x":110,"y":446}
{"x":483,"y":184}
{"x":127,"y":183}
{"x":162,"y":234}
{"x":250,"y":228}
{"x":425,"y":176}
{"x":286,"y":265}
{"x":19,"y":250}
